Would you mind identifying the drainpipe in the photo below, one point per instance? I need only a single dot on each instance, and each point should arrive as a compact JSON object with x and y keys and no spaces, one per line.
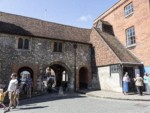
{"x":121,"y":75}
{"x":41,"y":74}
{"x":75,"y":54}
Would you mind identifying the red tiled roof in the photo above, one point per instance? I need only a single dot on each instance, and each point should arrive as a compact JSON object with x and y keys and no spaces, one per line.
{"x":20,"y":25}
{"x":121,"y":52}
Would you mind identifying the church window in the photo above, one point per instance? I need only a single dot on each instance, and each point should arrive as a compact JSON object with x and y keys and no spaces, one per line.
{"x":57,"y":47}
{"x":23,"y":43}
{"x":20,"y":43}
{"x":26,"y":44}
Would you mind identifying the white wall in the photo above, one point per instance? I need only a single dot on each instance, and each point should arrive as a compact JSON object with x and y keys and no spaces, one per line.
{"x":109,"y":81}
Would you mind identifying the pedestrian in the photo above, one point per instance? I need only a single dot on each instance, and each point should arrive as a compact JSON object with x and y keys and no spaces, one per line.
{"x":2,"y":97}
{"x":148,"y":85}
{"x":29,"y":86}
{"x":126,"y":81}
{"x":139,"y":84}
{"x":44,"y":84}
{"x":12,"y":87}
{"x":48,"y":71}
{"x":50,"y":82}
{"x":17,"y":95}
{"x":146,"y":80}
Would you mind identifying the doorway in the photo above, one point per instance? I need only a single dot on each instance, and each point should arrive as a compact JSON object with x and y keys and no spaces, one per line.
{"x":131,"y":74}
{"x":83,"y":78}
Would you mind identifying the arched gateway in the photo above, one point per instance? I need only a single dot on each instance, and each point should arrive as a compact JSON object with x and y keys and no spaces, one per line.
{"x":62,"y":73}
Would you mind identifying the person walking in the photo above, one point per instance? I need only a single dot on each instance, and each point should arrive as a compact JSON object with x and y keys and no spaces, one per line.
{"x":126,"y":81}
{"x":139,"y":84}
{"x":16,"y":97}
{"x":12,"y":87}
{"x":148,"y":85}
{"x":146,"y":80}
{"x":2,"y":97}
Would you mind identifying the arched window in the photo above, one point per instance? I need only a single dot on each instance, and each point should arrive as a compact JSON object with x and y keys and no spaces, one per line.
{"x":26,"y":44}
{"x":20,"y":43}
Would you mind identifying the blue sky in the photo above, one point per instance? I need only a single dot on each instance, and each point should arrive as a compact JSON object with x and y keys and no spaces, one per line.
{"x":79,"y":13}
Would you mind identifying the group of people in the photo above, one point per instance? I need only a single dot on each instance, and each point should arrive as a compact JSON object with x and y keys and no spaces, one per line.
{"x":13,"y":93}
{"x":48,"y":81}
{"x":139,"y":83}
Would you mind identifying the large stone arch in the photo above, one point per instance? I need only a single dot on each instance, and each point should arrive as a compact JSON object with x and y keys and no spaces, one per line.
{"x":59,"y":69}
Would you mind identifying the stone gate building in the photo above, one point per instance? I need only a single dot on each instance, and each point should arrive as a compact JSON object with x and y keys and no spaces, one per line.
{"x":28,"y":44}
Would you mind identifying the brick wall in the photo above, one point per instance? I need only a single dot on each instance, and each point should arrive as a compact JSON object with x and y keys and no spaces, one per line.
{"x":140,"y":19}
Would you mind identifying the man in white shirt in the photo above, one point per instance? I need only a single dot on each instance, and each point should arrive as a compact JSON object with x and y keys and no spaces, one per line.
{"x":13,"y":84}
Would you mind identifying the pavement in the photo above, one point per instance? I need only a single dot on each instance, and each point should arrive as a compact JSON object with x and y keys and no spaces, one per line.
{"x":116,"y":95}
{"x":78,"y":103}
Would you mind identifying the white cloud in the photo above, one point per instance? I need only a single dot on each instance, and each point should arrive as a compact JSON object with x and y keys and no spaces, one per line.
{"x":85,"y":18}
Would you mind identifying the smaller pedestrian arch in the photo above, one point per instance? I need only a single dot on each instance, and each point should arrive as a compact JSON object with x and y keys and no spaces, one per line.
{"x":26,"y":71}
{"x":83,"y":78}
{"x":24,"y":74}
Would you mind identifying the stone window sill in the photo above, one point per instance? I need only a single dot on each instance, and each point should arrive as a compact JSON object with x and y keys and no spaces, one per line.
{"x":130,"y":46}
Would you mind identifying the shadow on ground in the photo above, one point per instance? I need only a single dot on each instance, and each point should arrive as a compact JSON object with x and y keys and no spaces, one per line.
{"x":28,"y":108}
{"x":49,"y":97}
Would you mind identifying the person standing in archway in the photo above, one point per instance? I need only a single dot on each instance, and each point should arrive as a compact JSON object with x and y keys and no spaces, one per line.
{"x":48,"y":71}
{"x":147,"y":89}
{"x":29,"y":86}
{"x":126,"y":81}
{"x":139,"y":84}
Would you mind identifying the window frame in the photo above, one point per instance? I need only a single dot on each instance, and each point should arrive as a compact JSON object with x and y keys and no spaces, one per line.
{"x":130,"y":37}
{"x":24,"y":47}
{"x":26,"y":44}
{"x":115,"y":68}
{"x":20,"y":43}
{"x":58,"y":47}
{"x":128,"y":9}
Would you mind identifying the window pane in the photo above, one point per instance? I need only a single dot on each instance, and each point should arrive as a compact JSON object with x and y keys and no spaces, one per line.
{"x":55,"y":46}
{"x":60,"y":47}
{"x":130,"y":33}
{"x":20,"y":43}
{"x":128,"y":9}
{"x":26,"y":44}
{"x":114,"y":68}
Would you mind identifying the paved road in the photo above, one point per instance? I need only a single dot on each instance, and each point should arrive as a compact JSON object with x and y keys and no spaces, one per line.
{"x":80,"y":104}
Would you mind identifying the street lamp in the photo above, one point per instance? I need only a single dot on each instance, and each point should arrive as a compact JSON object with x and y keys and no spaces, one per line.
{"x":41,"y":74}
{"x":75,"y":47}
